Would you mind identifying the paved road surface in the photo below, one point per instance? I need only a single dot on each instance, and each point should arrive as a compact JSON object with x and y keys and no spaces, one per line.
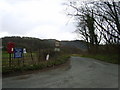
{"x":82,"y":73}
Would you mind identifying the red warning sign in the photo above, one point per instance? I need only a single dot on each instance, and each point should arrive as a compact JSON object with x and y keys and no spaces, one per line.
{"x":10,"y":47}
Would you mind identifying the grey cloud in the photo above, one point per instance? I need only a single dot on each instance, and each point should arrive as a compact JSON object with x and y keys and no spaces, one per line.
{"x":14,"y":25}
{"x":21,"y":20}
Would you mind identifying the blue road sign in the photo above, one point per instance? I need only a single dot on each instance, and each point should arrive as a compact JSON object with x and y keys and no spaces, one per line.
{"x":18,"y":52}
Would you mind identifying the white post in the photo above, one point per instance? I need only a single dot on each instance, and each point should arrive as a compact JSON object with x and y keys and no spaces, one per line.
{"x":47,"y":57}
{"x":24,"y":50}
{"x":12,"y":49}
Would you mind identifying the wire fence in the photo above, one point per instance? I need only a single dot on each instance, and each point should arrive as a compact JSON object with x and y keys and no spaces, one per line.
{"x":26,"y":59}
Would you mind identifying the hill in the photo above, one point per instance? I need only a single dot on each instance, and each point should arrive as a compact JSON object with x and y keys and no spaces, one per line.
{"x":34,"y":43}
{"x":78,"y":44}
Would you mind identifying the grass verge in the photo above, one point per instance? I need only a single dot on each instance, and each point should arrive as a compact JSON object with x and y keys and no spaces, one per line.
{"x":41,"y":65}
{"x":107,"y":58}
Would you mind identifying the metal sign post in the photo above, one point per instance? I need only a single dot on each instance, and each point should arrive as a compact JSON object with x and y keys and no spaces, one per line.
{"x":10,"y":47}
{"x":18,"y":52}
{"x":9,"y":59}
{"x":57,"y":46}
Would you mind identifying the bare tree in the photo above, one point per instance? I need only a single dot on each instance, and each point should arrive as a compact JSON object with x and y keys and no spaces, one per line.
{"x":85,"y":23}
{"x":109,"y":12}
{"x":97,"y":20}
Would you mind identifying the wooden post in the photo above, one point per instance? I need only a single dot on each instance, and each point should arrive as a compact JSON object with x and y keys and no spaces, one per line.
{"x":18,"y":62}
{"x":31,"y":57}
{"x":23,"y":59}
{"x":12,"y":62}
{"x":9,"y":59}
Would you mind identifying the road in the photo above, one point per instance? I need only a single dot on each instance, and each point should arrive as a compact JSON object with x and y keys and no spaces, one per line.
{"x":81,"y":73}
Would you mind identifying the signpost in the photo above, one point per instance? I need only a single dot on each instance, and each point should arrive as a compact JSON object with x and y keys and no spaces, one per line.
{"x":57,"y":43}
{"x":57,"y":46}
{"x":18,"y":52}
{"x":10,"y":47}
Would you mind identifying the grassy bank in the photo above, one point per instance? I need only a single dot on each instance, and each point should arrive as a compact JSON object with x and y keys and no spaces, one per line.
{"x":41,"y":65}
{"x":107,"y":58}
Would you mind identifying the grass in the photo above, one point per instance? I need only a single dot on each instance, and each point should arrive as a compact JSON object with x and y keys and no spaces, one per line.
{"x":106,"y":57}
{"x":5,"y":58}
{"x":59,"y":60}
{"x":5,"y":54}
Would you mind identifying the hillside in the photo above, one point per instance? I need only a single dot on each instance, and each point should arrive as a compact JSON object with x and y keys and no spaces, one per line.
{"x":75,"y":44}
{"x":35,"y":43}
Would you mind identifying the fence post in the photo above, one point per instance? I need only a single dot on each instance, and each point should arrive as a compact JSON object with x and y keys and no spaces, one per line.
{"x":31,"y":56}
{"x":9,"y":59}
{"x":23,"y":59}
{"x":18,"y":62}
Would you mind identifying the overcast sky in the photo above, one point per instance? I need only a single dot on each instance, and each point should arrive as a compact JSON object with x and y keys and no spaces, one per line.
{"x":44,"y":19}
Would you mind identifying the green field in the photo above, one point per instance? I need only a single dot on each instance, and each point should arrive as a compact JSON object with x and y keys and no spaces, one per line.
{"x":27,"y":59}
